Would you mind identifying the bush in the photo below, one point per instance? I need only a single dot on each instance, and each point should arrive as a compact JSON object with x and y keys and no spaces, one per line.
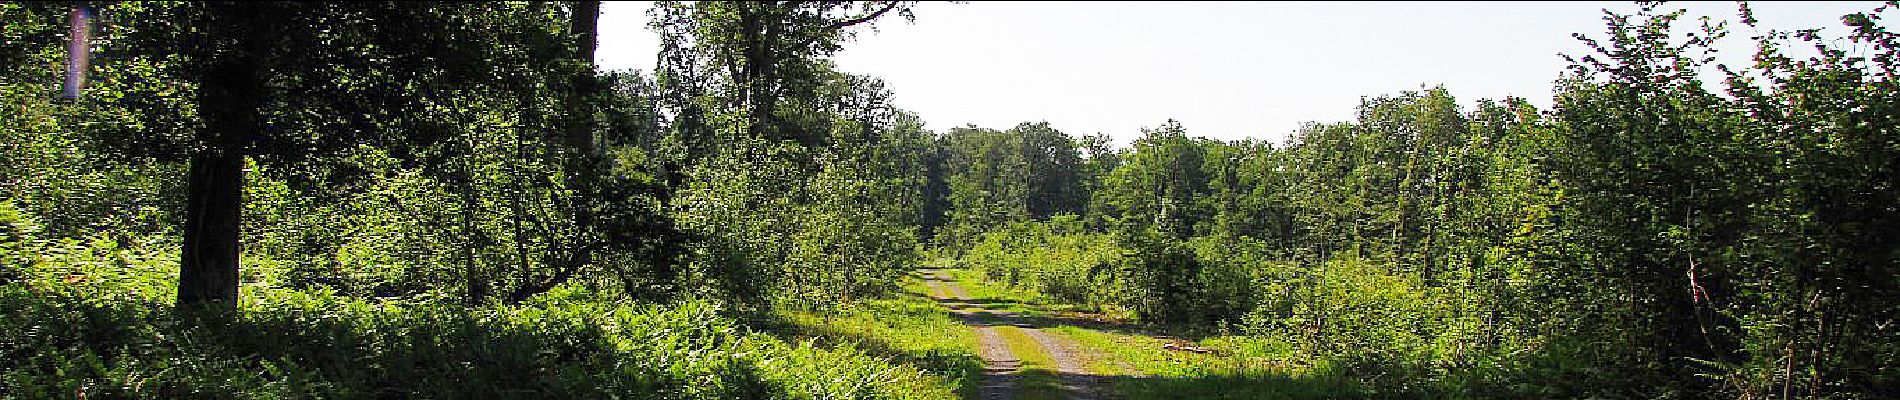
{"x":1055,"y":260}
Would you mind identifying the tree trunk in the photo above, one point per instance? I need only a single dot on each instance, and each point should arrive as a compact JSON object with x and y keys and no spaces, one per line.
{"x":586,"y":166}
{"x":477,"y":280}
{"x":208,"y":275}
{"x":752,"y":83}
{"x":230,"y":90}
{"x":580,"y":130}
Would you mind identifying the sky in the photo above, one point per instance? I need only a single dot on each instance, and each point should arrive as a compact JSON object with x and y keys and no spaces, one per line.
{"x":1225,"y":70}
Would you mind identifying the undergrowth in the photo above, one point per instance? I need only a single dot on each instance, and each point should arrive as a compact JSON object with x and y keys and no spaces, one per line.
{"x":907,"y":328}
{"x":93,"y":319}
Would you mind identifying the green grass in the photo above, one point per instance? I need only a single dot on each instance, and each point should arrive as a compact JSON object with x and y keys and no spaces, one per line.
{"x":997,"y":298}
{"x":909,"y":329}
{"x":1140,"y":368}
{"x":1233,"y":373}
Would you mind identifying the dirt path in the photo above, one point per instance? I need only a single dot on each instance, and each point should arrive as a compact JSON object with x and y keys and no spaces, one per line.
{"x":999,"y":365}
{"x":1076,"y":379}
{"x":1000,"y":375}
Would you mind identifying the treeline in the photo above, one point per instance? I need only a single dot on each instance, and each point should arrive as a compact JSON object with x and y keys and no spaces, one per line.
{"x":1651,"y":235}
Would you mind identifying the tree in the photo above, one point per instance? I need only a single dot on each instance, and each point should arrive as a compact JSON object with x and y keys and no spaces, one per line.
{"x":1158,"y":184}
{"x":1052,"y":164}
{"x":755,"y":55}
{"x":230,"y":81}
{"x":232,"y":87}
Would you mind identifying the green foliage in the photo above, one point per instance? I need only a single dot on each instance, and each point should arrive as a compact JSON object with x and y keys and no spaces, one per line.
{"x":449,"y":201}
{"x":1646,"y":238}
{"x":58,"y":342}
{"x":805,"y":182}
{"x":1762,"y":246}
{"x":1056,"y":260}
{"x":810,"y":227}
{"x":1155,"y":190}
{"x":1258,"y":367}
{"x":415,"y":185}
{"x":907,"y":328}
{"x":758,"y":66}
{"x":992,"y":178}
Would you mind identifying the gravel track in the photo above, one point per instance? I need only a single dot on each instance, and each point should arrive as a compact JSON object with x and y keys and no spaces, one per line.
{"x":1001,"y":366}
{"x":1076,"y":379}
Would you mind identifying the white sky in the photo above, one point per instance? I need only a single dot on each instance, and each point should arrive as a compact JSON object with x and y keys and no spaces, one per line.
{"x":1225,"y":70}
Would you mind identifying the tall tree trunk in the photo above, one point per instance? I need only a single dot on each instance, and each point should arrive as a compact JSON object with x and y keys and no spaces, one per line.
{"x":580,"y":130}
{"x":751,"y":82}
{"x":477,"y":280}
{"x":208,"y":275}
{"x":230,"y":89}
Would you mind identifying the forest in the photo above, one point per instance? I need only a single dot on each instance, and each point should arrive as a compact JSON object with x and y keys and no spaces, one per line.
{"x":398,"y":200}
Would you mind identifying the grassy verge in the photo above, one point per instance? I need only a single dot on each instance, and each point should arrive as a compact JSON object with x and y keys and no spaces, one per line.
{"x":1240,"y":368}
{"x":996,"y":297}
{"x":96,"y":322}
{"x":908,"y":329}
{"x":313,"y":345}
